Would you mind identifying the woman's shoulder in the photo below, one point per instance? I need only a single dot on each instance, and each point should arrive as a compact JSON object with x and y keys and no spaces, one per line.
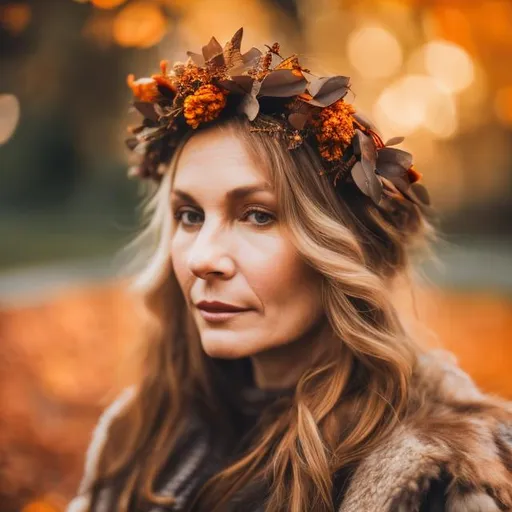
{"x":454,"y":448}
{"x":98,"y":439}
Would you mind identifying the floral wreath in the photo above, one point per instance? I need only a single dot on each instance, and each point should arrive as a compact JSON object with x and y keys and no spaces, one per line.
{"x":283,"y":100}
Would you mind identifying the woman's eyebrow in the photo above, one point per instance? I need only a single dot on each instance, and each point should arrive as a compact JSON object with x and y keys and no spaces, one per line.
{"x":231,"y":195}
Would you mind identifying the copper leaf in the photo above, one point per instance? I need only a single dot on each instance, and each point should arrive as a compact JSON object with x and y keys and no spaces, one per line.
{"x":365,"y":148}
{"x":212,"y":49}
{"x":232,"y":54}
{"x":282,"y":83}
{"x":298,"y":120}
{"x":217,"y":61}
{"x":251,"y":56}
{"x":239,"y":84}
{"x":147,"y":109}
{"x":390,"y":169}
{"x":197,"y":58}
{"x":395,"y":156}
{"x":327,"y":90}
{"x":370,"y":186}
{"x":244,"y":81}
{"x":394,"y":141}
{"x":364,"y":121}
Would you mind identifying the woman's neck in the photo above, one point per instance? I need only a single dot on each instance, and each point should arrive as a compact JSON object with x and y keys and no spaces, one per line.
{"x":281,"y":367}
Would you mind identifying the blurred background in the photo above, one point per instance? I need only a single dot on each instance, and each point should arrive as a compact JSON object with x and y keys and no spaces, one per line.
{"x":438,"y":72}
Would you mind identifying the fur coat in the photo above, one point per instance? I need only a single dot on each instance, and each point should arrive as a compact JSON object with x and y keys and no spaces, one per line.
{"x":454,"y":451}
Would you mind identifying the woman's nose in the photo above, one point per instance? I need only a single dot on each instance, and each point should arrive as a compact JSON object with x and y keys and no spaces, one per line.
{"x":210,"y":254}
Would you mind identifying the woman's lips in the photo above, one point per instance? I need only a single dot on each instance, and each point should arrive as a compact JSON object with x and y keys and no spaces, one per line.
{"x":220,"y":316}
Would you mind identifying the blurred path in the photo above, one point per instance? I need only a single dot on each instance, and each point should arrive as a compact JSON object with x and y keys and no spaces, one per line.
{"x":471,"y":264}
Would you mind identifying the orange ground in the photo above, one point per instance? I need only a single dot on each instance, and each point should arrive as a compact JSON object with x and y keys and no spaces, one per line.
{"x":59,"y":362}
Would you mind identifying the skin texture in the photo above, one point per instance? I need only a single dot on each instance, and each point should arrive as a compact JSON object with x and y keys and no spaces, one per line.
{"x":221,"y":250}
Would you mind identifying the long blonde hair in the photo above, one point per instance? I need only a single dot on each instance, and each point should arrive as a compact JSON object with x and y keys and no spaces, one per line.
{"x":342,"y":408}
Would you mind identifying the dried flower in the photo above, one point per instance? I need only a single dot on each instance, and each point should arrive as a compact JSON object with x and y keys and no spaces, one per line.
{"x":334,"y":129}
{"x":279,"y":100}
{"x":164,"y":80}
{"x":145,"y":89}
{"x":204,"y":105}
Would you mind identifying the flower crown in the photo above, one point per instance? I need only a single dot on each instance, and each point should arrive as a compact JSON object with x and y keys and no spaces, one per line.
{"x":284,"y":100}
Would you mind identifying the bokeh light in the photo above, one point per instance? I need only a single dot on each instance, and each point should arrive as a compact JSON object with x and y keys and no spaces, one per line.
{"x":140,"y":24}
{"x":414,"y":102}
{"x":15,"y":17}
{"x":9,"y":116}
{"x":374,"y":52}
{"x":450,"y":64}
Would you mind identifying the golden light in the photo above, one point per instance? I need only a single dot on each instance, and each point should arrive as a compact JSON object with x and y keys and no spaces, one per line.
{"x":414,"y":102}
{"x":107,"y":4}
{"x":9,"y":116}
{"x":15,"y":17}
{"x":374,"y":52}
{"x":450,"y":64}
{"x":141,"y":24}
{"x":503,"y":105}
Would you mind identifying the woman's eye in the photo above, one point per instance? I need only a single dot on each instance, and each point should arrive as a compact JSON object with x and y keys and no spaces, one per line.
{"x":179,"y":216}
{"x":261,"y":218}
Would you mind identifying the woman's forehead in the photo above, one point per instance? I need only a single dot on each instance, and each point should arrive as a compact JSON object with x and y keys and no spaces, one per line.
{"x":218,"y":159}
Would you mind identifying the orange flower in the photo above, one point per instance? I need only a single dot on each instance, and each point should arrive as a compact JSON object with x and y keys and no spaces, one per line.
{"x":204,"y":105}
{"x":334,"y":129}
{"x":145,"y":89}
{"x":413,"y":174}
{"x":163,"y":78}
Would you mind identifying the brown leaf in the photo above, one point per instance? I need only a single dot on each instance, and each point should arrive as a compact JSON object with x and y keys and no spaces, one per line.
{"x":197,"y":58}
{"x":282,"y":83}
{"x":147,"y":109}
{"x":298,"y":120}
{"x":401,"y":183}
{"x":390,"y":169}
{"x":395,"y":156}
{"x":327,"y":90}
{"x":364,"y":121}
{"x":369,"y":185}
{"x":249,"y":106}
{"x":251,"y":56}
{"x":365,"y":148}
{"x":394,"y":141}
{"x":232,"y":55}
{"x":217,"y":61}
{"x":243,"y":81}
{"x":238,"y":84}
{"x":212,"y":49}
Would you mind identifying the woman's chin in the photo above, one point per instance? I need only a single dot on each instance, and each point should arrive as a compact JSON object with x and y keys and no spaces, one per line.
{"x":222,"y":349}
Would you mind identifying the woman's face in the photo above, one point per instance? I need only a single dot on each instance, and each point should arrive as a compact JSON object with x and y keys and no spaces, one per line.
{"x":229,"y":245}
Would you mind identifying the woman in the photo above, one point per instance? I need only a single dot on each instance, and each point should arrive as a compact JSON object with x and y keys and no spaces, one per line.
{"x":278,"y":374}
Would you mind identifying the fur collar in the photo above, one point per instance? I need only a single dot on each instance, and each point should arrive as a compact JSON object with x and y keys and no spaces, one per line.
{"x":452,"y":430}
